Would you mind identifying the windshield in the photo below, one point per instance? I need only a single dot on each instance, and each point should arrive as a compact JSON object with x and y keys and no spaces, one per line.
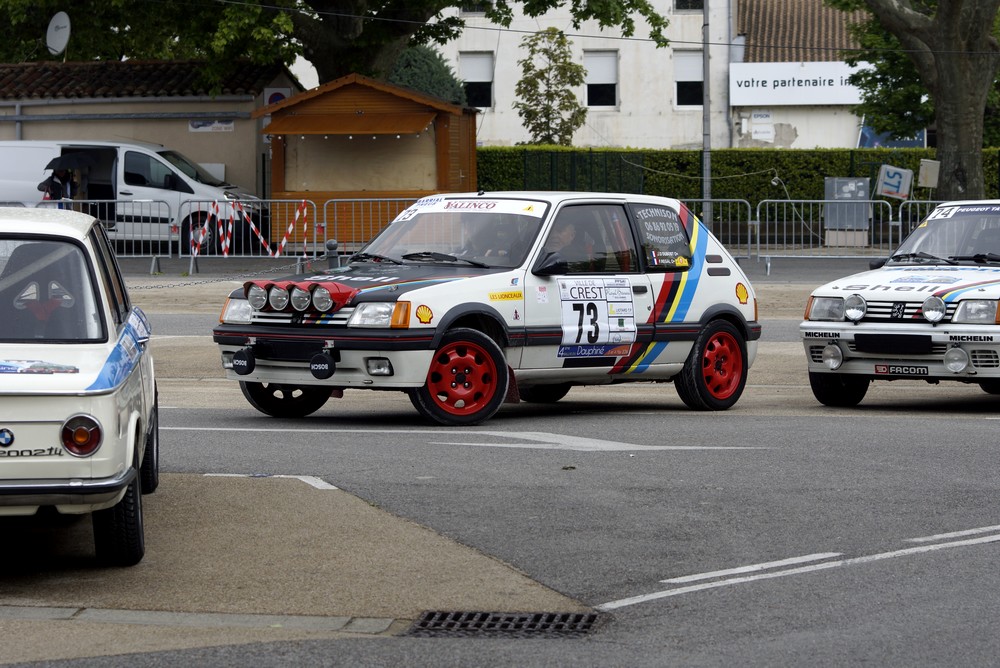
{"x":489,"y":233}
{"x":963,"y":234}
{"x":192,"y":169}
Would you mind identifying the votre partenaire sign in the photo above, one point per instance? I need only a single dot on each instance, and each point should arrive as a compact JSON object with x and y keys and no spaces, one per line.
{"x":799,"y":84}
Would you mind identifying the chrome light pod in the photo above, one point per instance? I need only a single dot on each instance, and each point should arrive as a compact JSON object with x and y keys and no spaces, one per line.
{"x":956,"y":360}
{"x":277,"y":297}
{"x":257,"y":296}
{"x":300,"y":298}
{"x":833,"y":356}
{"x":855,"y":308}
{"x":321,"y":299}
{"x":933,"y":309}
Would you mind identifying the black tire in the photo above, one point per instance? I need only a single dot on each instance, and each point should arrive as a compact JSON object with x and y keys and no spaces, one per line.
{"x":119,"y":537}
{"x":990,"y":386}
{"x":467,"y":380}
{"x":715,"y":372}
{"x":150,"y":469}
{"x":838,"y":390}
{"x":543,"y":394}
{"x":285,"y":401}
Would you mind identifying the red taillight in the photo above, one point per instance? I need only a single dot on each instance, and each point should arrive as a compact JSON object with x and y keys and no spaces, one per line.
{"x":81,"y":435}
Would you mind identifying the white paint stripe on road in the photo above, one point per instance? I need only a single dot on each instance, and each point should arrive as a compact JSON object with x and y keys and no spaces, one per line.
{"x":953,"y":534}
{"x":752,"y":568}
{"x":536,"y":439}
{"x":310,"y":480}
{"x":645,"y":598}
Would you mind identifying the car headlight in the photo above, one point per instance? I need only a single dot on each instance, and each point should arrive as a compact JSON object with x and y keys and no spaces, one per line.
{"x":826,"y":308}
{"x":933,"y":309}
{"x":236,"y":312}
{"x":977,"y":312}
{"x":380,"y":314}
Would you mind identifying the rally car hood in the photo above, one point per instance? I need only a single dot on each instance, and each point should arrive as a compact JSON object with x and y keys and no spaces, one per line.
{"x":916,"y":282}
{"x":384,"y":281}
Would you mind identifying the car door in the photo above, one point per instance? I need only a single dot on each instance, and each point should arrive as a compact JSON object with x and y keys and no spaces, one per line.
{"x":586,"y":302}
{"x":147,"y":202}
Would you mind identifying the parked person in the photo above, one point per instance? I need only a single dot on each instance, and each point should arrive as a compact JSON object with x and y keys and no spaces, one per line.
{"x":59,"y":185}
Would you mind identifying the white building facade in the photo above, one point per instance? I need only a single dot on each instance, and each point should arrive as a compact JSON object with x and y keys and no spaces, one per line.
{"x":639,"y":96}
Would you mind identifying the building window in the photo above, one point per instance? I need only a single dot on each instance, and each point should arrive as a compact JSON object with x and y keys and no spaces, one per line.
{"x":476,"y":72}
{"x":476,"y":8}
{"x":688,"y":5}
{"x":690,"y":78}
{"x":602,"y":78}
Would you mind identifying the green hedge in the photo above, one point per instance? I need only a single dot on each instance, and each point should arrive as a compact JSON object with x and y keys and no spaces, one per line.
{"x":736,"y":173}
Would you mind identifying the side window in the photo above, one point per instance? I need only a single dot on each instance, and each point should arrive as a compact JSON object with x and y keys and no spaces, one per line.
{"x":144,"y":170}
{"x":663,"y":238}
{"x":111,"y":277}
{"x":593,"y":238}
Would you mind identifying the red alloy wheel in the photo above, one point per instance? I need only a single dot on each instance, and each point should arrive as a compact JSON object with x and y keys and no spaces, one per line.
{"x":722,"y":365}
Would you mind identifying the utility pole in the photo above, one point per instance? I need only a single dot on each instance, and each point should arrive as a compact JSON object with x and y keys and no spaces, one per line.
{"x":706,"y":121}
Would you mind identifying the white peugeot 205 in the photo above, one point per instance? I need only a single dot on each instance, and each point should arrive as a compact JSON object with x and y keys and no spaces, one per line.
{"x":78,"y":406}
{"x":466,"y":301}
{"x":931,"y":311}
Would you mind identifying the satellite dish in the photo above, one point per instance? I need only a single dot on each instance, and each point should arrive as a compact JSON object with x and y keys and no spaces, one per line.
{"x":57,"y":36}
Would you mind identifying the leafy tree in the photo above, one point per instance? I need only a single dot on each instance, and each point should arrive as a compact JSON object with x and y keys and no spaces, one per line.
{"x":423,"y":69}
{"x":956,"y":56}
{"x":546,"y":103}
{"x":337,"y":36}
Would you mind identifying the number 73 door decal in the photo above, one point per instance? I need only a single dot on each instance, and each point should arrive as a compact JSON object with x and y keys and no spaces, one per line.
{"x":598,"y":315}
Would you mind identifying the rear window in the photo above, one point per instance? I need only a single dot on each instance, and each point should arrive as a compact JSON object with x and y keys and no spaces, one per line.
{"x":47,"y":292}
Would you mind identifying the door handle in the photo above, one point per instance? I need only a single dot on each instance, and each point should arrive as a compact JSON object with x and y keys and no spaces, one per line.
{"x":125,"y":192}
{"x":639,"y":289}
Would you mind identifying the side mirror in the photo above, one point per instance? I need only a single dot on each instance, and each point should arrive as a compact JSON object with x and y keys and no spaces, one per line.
{"x":551,"y":264}
{"x":170,"y":182}
{"x":878,"y":264}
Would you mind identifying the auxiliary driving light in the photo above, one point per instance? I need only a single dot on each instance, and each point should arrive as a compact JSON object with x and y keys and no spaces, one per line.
{"x":956,"y":360}
{"x":855,"y":308}
{"x":378,"y":366}
{"x":322,"y":366}
{"x":933,"y":309}
{"x":244,"y":362}
{"x":833,"y":356}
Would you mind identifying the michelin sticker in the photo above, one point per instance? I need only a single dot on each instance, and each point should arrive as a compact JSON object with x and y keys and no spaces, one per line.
{"x":598,"y":317}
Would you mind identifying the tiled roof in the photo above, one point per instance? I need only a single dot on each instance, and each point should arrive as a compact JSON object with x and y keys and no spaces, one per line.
{"x":795,"y":30}
{"x":116,"y":79}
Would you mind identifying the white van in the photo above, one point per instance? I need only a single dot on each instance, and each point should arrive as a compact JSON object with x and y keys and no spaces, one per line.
{"x":141,"y":191}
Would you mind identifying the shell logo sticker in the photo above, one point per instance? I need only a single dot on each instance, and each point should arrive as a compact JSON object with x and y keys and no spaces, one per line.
{"x":741,"y":293}
{"x":424,"y":314}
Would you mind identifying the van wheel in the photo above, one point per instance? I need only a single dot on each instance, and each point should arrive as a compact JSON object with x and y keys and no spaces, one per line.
{"x":715,"y":372}
{"x":191,"y":229}
{"x":285,"y":401}
{"x":119,"y":537}
{"x":466,"y":382}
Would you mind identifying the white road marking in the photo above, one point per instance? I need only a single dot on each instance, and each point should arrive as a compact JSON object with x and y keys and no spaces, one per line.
{"x":645,"y":598}
{"x":538,"y":440}
{"x":752,"y":568}
{"x":311,"y":480}
{"x":953,"y":534}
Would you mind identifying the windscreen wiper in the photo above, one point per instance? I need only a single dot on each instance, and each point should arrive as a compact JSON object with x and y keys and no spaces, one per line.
{"x":373,"y":256}
{"x":920,"y":255}
{"x":981,"y":258}
{"x":442,"y":257}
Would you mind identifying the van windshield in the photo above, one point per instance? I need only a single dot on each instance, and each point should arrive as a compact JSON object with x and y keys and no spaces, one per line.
{"x":191,"y":168}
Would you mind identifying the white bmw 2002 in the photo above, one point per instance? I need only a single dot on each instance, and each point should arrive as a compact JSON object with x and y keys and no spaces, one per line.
{"x":468,"y":300}
{"x":78,"y":408}
{"x":929,"y":312}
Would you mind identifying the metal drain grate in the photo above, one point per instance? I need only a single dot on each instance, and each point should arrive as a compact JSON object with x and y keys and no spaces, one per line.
{"x":438,"y":624}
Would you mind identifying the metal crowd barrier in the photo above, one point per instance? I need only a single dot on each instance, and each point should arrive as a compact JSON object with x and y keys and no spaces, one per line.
{"x":301,"y":228}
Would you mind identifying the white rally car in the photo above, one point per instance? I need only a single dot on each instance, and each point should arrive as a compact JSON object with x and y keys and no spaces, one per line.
{"x":469,"y":300}
{"x":930,"y":312}
{"x":78,"y":410}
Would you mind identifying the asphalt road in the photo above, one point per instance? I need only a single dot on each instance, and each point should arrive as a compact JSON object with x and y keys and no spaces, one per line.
{"x":780,"y":532}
